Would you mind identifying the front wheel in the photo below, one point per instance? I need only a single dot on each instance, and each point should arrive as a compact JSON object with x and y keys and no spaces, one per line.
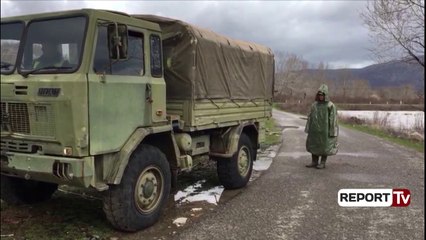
{"x":137,"y":202}
{"x":235,"y":172}
{"x":20,"y":191}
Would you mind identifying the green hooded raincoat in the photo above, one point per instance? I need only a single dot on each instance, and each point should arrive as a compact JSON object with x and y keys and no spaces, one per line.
{"x":322,"y":127}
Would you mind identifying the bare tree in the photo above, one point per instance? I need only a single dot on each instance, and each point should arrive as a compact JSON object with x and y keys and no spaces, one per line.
{"x":359,"y":91}
{"x":288,"y":71}
{"x":321,"y":75}
{"x":344,"y":78}
{"x":397,"y":28}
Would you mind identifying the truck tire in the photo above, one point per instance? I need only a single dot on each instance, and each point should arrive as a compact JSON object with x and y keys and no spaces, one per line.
{"x":235,"y":172}
{"x":137,"y":202}
{"x":18,"y":191}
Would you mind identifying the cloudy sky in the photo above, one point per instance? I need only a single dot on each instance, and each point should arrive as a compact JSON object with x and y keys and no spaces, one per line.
{"x":319,"y":31}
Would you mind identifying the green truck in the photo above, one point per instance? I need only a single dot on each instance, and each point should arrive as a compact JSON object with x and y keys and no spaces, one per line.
{"x":123,"y":103}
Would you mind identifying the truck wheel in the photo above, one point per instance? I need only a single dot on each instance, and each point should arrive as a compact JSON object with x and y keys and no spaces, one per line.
{"x":137,"y":202}
{"x":235,"y":172}
{"x":20,"y":191}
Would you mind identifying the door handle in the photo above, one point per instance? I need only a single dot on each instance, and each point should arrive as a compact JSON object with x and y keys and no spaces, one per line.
{"x":148,"y":93}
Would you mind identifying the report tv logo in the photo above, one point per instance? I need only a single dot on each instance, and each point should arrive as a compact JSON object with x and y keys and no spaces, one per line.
{"x":374,"y":197}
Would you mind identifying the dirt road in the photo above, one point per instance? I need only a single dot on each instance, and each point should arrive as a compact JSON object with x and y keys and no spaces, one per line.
{"x":291,"y":201}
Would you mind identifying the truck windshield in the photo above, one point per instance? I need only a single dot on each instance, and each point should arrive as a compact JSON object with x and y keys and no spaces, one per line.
{"x":10,"y":38}
{"x":53,"y":45}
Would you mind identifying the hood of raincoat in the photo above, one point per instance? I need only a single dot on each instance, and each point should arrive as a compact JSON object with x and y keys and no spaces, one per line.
{"x":323,"y":89}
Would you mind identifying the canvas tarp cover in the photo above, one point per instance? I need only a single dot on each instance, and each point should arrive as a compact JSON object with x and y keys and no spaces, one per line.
{"x":201,"y":64}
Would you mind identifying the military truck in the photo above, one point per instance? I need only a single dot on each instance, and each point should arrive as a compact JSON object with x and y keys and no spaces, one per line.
{"x":122,"y":104}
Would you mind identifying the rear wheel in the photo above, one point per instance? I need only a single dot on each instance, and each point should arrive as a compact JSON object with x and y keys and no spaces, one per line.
{"x":137,"y":202}
{"x":20,"y":191}
{"x":235,"y":172}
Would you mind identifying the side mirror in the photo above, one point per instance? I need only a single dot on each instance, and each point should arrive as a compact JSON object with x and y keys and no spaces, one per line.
{"x":117,"y":41}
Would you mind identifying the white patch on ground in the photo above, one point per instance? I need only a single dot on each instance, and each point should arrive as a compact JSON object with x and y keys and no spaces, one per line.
{"x":194,"y":193}
{"x":180,"y":221}
{"x":196,"y":209}
{"x":262,"y":164}
{"x":264,"y":158}
{"x":398,"y":120}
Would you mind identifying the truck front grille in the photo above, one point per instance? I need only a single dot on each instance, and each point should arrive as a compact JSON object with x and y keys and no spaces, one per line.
{"x":28,"y":118}
{"x":42,"y":120}
{"x":15,"y":118}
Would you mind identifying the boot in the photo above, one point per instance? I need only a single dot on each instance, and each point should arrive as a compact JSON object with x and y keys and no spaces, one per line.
{"x":314,"y":162}
{"x":322,"y":164}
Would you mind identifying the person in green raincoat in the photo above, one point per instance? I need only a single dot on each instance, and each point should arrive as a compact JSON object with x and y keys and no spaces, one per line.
{"x":322,"y":129}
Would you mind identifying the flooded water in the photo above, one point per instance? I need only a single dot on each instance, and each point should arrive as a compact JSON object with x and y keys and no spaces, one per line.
{"x":398,"y":120}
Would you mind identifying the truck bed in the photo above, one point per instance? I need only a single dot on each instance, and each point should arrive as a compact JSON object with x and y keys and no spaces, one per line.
{"x":205,"y":114}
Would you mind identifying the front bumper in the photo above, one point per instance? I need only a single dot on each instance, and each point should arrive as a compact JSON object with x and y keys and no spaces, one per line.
{"x":61,"y":170}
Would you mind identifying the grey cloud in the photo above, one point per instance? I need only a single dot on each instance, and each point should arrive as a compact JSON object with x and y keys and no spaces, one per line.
{"x":327,"y":31}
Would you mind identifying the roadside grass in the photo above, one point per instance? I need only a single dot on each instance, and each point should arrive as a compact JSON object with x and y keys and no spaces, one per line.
{"x":416,"y":145}
{"x":273,"y":133}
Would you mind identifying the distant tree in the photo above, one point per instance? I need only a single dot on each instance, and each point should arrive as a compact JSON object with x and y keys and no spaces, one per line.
{"x":321,"y":75}
{"x":344,"y":77}
{"x":360,"y":91}
{"x":385,"y":93}
{"x":397,"y":27}
{"x":288,"y":72}
{"x":408,"y":93}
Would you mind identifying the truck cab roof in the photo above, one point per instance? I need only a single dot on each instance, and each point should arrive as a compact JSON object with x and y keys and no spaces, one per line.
{"x":92,"y":13}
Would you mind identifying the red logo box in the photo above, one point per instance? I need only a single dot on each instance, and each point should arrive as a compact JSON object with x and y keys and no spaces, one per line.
{"x":401,"y":197}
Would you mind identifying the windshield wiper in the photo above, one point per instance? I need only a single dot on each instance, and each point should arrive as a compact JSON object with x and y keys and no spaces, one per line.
{"x":25,"y":74}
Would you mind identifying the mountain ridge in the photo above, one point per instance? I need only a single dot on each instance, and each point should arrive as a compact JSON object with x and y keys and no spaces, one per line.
{"x":390,"y":74}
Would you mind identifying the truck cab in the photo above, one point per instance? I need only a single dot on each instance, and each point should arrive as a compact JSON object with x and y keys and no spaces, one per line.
{"x":87,"y":103}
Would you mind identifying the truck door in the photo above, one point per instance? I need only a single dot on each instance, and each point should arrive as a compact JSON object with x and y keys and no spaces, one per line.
{"x":118,"y":92}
